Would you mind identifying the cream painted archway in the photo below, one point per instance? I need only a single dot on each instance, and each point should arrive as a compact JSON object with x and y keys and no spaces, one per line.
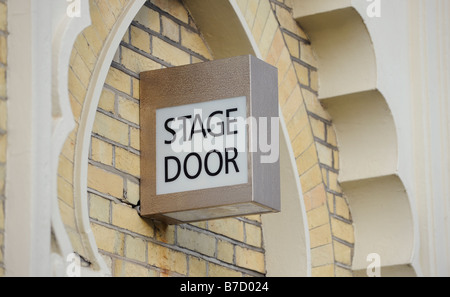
{"x":366,"y":133}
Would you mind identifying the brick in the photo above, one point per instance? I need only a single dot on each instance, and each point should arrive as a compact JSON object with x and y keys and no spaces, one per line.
{"x":268,"y":35}
{"x":318,"y":216}
{"x":107,"y":100}
{"x":128,"y":218}
{"x":250,"y":13}
{"x":64,"y":191}
{"x":343,"y":272}
{"x":3,"y":16}
{"x":225,"y":251}
{"x":318,"y":127}
{"x":119,"y":80}
{"x":283,"y":64}
{"x":342,"y":208}
{"x":105,"y":182}
{"x":197,"y":267}
{"x":253,"y":235}
{"x":169,"y":53}
{"x":314,"y":83}
{"x":140,"y":39}
{"x":342,"y":253}
{"x":76,"y":107}
{"x":331,"y":136}
{"x":3,"y":142}
{"x":302,"y":141}
{"x":287,"y":21}
{"x":101,"y":151}
{"x":232,"y":228}
{"x":135,"y":82}
{"x":94,"y":39}
{"x":302,"y":73}
{"x":127,"y":162}
{"x":65,"y":168}
{"x":166,"y":258}
{"x":108,"y":239}
{"x":110,"y":128}
{"x":106,"y":14}
{"x":84,"y":49}
{"x":196,"y":241}
{"x":250,"y":259}
{"x":3,"y":49}
{"x":99,"y":208}
{"x":298,"y":122}
{"x":135,"y":248}
{"x":128,"y":269}
{"x":313,"y":105}
{"x":333,"y":182}
{"x":261,"y":18}
{"x":307,"y":54}
{"x":322,"y":255}
{"x":325,"y":154}
{"x":323,"y":271}
{"x":307,"y":159}
{"x":170,"y":29}
{"x":81,"y":70}
{"x":135,"y":138}
{"x":2,"y":217}
{"x":194,"y":42}
{"x":320,"y":236}
{"x":311,"y":178}
{"x":293,"y":45}
{"x":2,"y":82}
{"x":97,"y":21}
{"x":137,"y":62}
{"x":342,"y":230}
{"x":165,"y":233}
{"x":221,"y":271}
{"x":148,"y":18}
{"x":128,"y":110}
{"x":317,"y":196}
{"x":132,"y":192}
{"x":174,"y":8}
{"x":293,"y":104}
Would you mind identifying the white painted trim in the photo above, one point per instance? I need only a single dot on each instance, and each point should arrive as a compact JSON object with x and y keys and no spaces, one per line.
{"x":85,"y":130}
{"x":63,"y":123}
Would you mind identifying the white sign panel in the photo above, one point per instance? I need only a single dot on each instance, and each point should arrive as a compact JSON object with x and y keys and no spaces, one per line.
{"x":201,"y":145}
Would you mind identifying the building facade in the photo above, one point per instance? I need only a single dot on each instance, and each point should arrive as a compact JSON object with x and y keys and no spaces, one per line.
{"x":364,"y":137}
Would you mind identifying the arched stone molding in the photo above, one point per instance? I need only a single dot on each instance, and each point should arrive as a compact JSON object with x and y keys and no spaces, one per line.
{"x":366,"y":134}
{"x":331,"y":236}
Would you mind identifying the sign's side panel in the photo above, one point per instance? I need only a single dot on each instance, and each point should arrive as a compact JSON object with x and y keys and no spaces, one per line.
{"x":264,"y":105}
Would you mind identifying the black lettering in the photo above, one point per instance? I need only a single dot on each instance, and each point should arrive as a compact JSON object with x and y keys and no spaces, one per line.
{"x":234,"y":120}
{"x":199,"y":159}
{"x":170,"y":130}
{"x":166,"y":169}
{"x":208,"y":124}
{"x":232,"y":160}
{"x":220,"y":163}
{"x":197,"y":118}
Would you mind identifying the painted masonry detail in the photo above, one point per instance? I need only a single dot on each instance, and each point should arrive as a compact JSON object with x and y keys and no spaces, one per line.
{"x":163,"y":35}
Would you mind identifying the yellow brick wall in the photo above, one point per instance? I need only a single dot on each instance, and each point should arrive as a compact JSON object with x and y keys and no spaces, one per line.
{"x":3,"y":125}
{"x":163,"y":34}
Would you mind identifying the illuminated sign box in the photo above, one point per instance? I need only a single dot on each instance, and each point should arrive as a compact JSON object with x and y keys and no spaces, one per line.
{"x":209,"y":140}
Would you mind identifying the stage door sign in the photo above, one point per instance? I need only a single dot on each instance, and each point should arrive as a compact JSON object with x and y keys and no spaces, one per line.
{"x":201,"y":130}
